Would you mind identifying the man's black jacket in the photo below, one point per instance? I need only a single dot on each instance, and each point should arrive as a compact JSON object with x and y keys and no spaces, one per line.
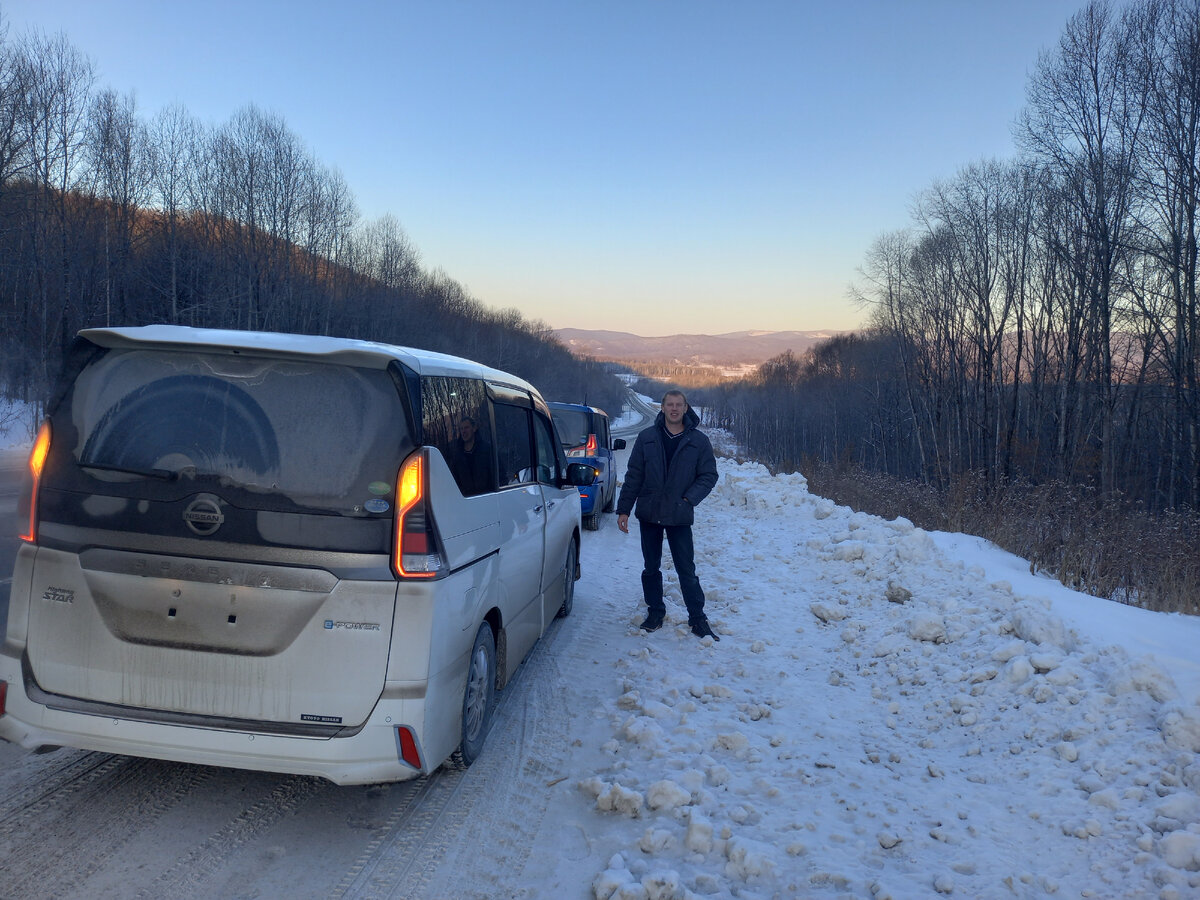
{"x":668,"y":495}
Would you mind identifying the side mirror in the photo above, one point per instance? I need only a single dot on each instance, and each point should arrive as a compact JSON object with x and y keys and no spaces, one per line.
{"x":619,"y":444}
{"x":581,"y":474}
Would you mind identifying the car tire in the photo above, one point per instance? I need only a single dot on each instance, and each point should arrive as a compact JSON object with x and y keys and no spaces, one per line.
{"x":479,"y":698}
{"x":568,"y":601}
{"x":592,"y":522}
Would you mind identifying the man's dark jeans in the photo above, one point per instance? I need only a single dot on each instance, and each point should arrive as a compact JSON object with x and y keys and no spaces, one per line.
{"x":679,"y":538}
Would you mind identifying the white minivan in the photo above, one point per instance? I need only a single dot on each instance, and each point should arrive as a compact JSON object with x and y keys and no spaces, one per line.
{"x":286,"y":553}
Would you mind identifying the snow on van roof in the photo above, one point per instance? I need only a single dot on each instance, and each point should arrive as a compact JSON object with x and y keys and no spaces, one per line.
{"x":350,"y":351}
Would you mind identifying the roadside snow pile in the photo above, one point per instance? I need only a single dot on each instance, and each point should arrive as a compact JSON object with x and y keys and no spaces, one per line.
{"x":879,"y":721}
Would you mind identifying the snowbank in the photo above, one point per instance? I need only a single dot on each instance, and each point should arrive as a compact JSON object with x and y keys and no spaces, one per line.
{"x":881,"y":718}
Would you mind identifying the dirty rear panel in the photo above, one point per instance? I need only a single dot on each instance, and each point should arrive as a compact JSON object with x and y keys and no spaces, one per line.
{"x":214,"y":535}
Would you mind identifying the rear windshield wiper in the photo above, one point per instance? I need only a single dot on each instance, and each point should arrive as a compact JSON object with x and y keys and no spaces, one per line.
{"x":163,"y":474}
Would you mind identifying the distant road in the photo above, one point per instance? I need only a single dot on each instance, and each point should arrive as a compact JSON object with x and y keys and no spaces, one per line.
{"x":647,"y":410}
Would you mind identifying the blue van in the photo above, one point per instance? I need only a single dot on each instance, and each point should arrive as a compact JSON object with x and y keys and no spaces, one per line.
{"x":583,"y":433}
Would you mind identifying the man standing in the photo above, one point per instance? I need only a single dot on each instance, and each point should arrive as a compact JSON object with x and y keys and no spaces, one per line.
{"x":671,"y":469}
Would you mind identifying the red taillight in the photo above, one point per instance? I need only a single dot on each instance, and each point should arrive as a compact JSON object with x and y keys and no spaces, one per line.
{"x":3,"y":697}
{"x":37,"y":462}
{"x":586,"y":449}
{"x":408,"y":746}
{"x":416,"y":553}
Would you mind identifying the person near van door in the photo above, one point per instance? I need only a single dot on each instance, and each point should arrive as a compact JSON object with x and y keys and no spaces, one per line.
{"x":471,"y":460}
{"x":671,"y":469}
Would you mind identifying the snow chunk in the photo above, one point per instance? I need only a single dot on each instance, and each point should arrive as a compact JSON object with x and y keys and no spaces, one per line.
{"x":892,"y":645}
{"x":734,"y":741}
{"x":1181,"y":849}
{"x":667,"y":795}
{"x":663,"y":886}
{"x":1181,"y":729}
{"x":656,"y":710}
{"x":1108,"y":799}
{"x":748,"y":858}
{"x":644,"y":731}
{"x":827,"y":614}
{"x":1141,"y":675}
{"x":621,"y":800}
{"x":718,"y":775}
{"x":1019,"y":670}
{"x":848,"y":551}
{"x":916,"y":547}
{"x":1038,"y":627}
{"x":1179,"y":810}
{"x":1009,"y":650}
{"x":629,"y":700}
{"x":1067,"y":751}
{"x":927,"y":627}
{"x":607,"y":883}
{"x":656,"y":840}
{"x":699,"y":837}
{"x":1046,"y":662}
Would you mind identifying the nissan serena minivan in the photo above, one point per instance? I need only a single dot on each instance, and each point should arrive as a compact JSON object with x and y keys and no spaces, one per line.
{"x":285,"y":553}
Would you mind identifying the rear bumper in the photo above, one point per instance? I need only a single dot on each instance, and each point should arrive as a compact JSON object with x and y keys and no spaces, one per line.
{"x":370,"y":755}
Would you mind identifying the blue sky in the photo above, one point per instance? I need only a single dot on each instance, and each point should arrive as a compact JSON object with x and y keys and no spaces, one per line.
{"x":658,"y":167}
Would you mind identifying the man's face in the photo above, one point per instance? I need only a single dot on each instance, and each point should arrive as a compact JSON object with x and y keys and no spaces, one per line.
{"x":673,"y":408}
{"x":466,"y":431}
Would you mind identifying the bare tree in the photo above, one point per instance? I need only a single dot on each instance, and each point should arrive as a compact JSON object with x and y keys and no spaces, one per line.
{"x":1084,"y":120}
{"x":173,"y":146}
{"x":14,"y":87}
{"x":118,"y":148}
{"x":54,"y":116}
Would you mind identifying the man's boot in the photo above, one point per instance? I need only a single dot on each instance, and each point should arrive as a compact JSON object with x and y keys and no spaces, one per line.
{"x":701,"y":628}
{"x":653,"y":621}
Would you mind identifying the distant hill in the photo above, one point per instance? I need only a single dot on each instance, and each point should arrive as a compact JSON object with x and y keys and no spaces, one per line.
{"x":734,"y":349}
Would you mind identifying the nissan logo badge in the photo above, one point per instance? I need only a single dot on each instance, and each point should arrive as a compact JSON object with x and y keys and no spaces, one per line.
{"x":203,"y":516}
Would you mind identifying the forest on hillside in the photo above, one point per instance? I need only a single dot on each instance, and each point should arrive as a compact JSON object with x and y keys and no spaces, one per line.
{"x":1033,"y":345}
{"x":1038,"y":318}
{"x":111,"y":218}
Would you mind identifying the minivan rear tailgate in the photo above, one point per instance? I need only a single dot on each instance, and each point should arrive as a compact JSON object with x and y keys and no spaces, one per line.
{"x":237,"y":641}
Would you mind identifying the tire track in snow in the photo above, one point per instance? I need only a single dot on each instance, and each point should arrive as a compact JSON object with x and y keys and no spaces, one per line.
{"x":38,"y":789}
{"x":461,"y":827}
{"x":500,"y":808}
{"x":393,"y":851}
{"x":190,"y":874}
{"x":92,"y":814}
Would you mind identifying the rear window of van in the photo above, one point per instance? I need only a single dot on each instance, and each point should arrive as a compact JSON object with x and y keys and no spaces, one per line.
{"x":323,"y":435}
{"x":573,"y":426}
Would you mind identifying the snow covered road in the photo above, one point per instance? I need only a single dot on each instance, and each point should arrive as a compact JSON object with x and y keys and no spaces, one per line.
{"x":879,"y":719}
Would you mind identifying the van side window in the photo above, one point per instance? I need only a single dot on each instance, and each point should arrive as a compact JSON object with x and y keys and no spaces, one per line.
{"x":455,"y":420}
{"x":547,"y":450}
{"x":513,"y":446}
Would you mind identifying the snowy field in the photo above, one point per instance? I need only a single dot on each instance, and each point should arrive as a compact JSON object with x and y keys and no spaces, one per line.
{"x":888,"y":714}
